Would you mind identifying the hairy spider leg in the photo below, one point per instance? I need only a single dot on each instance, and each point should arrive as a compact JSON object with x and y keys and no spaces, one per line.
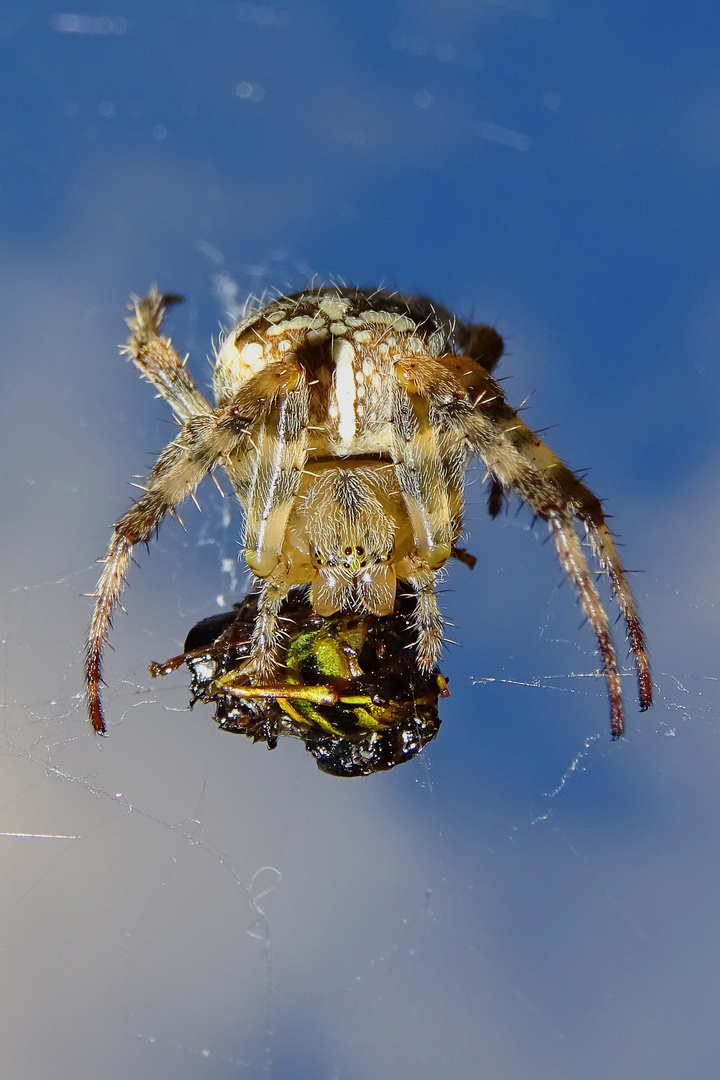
{"x":420,"y":474}
{"x":179,"y":469}
{"x":519,"y":460}
{"x":157,"y":360}
{"x":467,"y":408}
{"x":280,"y":453}
{"x":220,"y":437}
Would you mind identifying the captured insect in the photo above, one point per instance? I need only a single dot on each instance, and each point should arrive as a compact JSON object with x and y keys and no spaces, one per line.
{"x":351,"y":691}
{"x":345,"y":419}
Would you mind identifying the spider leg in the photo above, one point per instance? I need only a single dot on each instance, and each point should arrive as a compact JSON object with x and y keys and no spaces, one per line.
{"x":267,"y":632}
{"x":280,"y":453}
{"x":575,"y":566}
{"x":429,"y":487}
{"x":428,"y":621}
{"x":156,"y":359}
{"x":516,"y":458}
{"x":269,"y":490}
{"x":179,"y":469}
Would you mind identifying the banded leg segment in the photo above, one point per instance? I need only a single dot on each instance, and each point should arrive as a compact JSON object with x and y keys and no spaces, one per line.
{"x":279,"y":457}
{"x":156,"y":359}
{"x":258,"y":400}
{"x":418,"y":465}
{"x":604,"y":546}
{"x":179,"y":469}
{"x":518,"y":459}
{"x":280,"y":454}
{"x":422,"y":476}
{"x":575,"y":566}
{"x":428,"y":621}
{"x":264,"y":644}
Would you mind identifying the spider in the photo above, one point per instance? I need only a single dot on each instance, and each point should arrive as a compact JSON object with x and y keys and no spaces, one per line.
{"x":345,"y":419}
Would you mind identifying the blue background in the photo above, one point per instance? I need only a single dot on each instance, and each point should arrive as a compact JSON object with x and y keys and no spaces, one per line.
{"x":527,"y":901}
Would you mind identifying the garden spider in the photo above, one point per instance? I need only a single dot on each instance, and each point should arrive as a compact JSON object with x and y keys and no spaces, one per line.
{"x":345,"y":419}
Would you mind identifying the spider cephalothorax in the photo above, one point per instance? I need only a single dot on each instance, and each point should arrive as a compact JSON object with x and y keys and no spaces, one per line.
{"x":345,"y":420}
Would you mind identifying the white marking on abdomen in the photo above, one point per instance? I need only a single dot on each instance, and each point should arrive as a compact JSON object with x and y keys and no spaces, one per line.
{"x":344,"y":385}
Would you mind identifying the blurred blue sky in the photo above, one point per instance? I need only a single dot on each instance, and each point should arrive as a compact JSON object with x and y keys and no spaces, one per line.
{"x":528,"y":901}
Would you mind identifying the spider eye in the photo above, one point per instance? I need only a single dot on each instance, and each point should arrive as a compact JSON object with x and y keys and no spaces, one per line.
{"x":316,"y":557}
